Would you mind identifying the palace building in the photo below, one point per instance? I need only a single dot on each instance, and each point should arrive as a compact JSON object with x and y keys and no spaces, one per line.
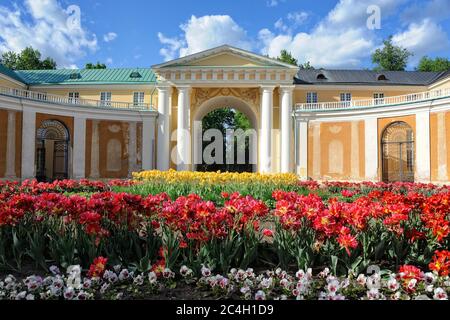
{"x":350,"y":125}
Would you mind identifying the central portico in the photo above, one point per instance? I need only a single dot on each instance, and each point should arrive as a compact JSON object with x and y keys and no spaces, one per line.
{"x":190,"y":87}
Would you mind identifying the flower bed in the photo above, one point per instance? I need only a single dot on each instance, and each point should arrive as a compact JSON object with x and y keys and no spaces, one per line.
{"x":344,"y":227}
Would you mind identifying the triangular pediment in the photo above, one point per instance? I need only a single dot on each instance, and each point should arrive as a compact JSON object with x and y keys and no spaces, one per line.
{"x":225,"y":56}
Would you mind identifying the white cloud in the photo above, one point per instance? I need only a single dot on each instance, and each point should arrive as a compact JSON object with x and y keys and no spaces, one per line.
{"x":204,"y":33}
{"x":56,"y":32}
{"x":273,"y":3}
{"x":295,"y":20}
{"x":110,"y":36}
{"x":340,"y":40}
{"x":436,"y":10}
{"x":298,"y":18}
{"x":109,"y":61}
{"x":421,"y":39}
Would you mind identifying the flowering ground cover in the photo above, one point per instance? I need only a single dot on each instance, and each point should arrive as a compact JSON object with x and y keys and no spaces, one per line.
{"x":214,"y":237}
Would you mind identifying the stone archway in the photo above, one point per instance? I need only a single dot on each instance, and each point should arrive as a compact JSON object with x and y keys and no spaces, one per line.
{"x":219,"y":102}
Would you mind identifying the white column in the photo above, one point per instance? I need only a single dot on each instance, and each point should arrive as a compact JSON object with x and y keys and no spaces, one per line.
{"x":163,"y":149}
{"x":302,"y":137}
{"x":148,"y":138}
{"x":286,"y":128}
{"x":28,"y":143}
{"x":183,"y":134}
{"x":11,"y":146}
{"x":423,"y":162}
{"x":265,"y":143}
{"x":95,"y":151}
{"x":79,"y":148}
{"x":132,"y":148}
{"x":371,"y":148}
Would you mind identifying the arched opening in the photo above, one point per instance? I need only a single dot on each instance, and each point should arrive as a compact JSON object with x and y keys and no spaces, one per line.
{"x":225,"y":136}
{"x":397,"y":145}
{"x":52,"y":151}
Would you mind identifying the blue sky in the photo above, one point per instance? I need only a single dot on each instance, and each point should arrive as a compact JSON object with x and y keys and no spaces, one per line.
{"x":328,"y":33}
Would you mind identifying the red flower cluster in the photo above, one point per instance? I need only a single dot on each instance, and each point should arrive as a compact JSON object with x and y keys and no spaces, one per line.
{"x":201,"y":221}
{"x":98,"y":267}
{"x":441,"y":263}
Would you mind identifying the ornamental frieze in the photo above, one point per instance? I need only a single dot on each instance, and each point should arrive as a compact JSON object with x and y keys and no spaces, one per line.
{"x":249,"y":95}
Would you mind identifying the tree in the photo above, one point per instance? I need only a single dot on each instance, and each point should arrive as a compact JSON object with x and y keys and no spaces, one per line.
{"x":95,"y":66}
{"x":306,"y":66}
{"x":437,"y":64}
{"x":391,"y":57}
{"x":226,"y":119}
{"x":27,"y":59}
{"x":287,"y":57}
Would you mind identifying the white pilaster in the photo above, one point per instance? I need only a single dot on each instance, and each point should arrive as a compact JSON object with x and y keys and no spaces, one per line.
{"x":354,"y":153}
{"x":163,"y":148}
{"x":286,"y":128}
{"x":28,"y":143}
{"x":132,"y":148}
{"x":11,"y":146}
{"x":265,"y":143}
{"x":148,"y":138}
{"x":423,"y":163}
{"x":79,"y":148}
{"x":183,"y":134}
{"x":442,"y":147}
{"x":95,"y":151}
{"x":302,"y":137}
{"x":371,"y":148}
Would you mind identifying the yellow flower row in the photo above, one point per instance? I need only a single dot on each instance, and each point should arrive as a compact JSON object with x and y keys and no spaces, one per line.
{"x":173,"y":176}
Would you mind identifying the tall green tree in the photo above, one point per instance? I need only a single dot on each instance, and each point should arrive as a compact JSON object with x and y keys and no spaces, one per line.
{"x":437,"y":64}
{"x":98,"y":65}
{"x":391,"y":57}
{"x":27,"y":59}
{"x":287,"y":57}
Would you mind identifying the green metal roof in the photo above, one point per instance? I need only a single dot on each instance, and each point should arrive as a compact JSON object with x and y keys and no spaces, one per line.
{"x":88,"y":76}
{"x":10,"y":73}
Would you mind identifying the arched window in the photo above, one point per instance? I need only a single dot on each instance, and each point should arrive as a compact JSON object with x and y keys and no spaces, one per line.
{"x":52,"y":151}
{"x":381,"y":77}
{"x":321,"y":76}
{"x":397,"y":144}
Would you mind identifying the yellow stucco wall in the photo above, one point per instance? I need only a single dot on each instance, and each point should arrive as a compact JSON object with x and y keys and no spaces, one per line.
{"x":444,"y":84}
{"x":336,"y":150}
{"x":225,"y":60}
{"x":10,"y":84}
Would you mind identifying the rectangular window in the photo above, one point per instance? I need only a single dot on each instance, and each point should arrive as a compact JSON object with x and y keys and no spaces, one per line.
{"x":105,"y":98}
{"x":74,"y":97}
{"x":346,"y":99}
{"x":378,"y":98}
{"x":138,"y":98}
{"x":311,"y":97}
